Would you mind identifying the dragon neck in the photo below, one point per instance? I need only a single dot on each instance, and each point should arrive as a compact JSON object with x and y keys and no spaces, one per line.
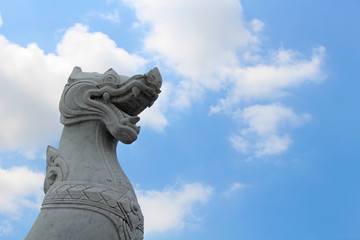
{"x":89,"y":151}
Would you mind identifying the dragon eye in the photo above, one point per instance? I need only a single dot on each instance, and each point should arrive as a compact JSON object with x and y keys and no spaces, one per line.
{"x":110,"y":78}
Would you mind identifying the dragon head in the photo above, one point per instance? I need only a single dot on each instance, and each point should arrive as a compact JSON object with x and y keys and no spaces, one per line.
{"x":114,"y":99}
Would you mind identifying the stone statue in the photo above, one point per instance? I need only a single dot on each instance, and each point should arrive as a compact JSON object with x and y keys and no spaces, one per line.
{"x":88,"y":196}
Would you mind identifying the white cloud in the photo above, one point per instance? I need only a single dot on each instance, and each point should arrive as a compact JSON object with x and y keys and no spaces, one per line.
{"x":111,"y":16}
{"x":264,"y":127}
{"x":272,"y":81}
{"x":273,"y":144}
{"x":257,"y":25}
{"x":20,"y":188}
{"x":210,"y":45}
{"x":239,"y":143}
{"x":1,"y":21}
{"x":5,"y":228}
{"x":198,"y":44}
{"x":171,"y":208}
{"x":154,"y":117}
{"x":32,"y":82}
{"x":212,"y":48}
{"x":266,"y":119}
{"x":234,"y":188}
{"x":97,"y":52}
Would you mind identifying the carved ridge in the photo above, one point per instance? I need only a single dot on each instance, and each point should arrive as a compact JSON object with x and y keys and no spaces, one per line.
{"x":56,"y":168}
{"x":114,"y":99}
{"x":99,"y":198}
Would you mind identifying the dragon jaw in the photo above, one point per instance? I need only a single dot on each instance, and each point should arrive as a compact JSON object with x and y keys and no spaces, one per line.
{"x":114,"y":99}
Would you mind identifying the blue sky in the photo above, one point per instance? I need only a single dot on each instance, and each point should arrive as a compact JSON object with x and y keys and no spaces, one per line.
{"x":255,"y":134}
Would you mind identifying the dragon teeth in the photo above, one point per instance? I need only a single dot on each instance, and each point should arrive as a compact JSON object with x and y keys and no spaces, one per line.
{"x":136,"y":91}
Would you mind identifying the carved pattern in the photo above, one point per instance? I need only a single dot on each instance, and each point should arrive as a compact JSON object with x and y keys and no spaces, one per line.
{"x":56,"y":169}
{"x":114,"y":99}
{"x":116,"y":204}
{"x":111,"y":103}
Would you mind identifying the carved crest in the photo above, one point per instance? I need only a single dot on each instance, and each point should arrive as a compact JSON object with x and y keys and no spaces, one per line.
{"x":56,"y":169}
{"x":114,"y":99}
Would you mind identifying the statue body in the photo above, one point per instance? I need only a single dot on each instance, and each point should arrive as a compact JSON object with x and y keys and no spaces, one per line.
{"x":88,"y":196}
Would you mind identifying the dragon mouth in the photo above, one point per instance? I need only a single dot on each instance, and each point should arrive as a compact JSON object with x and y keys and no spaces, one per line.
{"x":114,"y":99}
{"x":127,"y":100}
{"x":126,"y":129}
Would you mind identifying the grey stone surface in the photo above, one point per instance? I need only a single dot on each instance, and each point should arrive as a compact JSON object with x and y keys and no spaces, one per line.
{"x":88,"y":196}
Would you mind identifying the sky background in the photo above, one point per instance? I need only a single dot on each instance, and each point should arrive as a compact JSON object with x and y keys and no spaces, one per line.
{"x":255,"y":135}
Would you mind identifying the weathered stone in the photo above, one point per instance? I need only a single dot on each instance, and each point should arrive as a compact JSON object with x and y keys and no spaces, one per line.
{"x":88,"y":196}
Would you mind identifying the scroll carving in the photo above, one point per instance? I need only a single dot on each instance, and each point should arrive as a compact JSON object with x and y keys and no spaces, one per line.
{"x":56,"y":169}
{"x":116,"y":204}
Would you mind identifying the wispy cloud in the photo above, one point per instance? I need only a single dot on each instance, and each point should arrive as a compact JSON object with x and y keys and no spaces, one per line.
{"x":285,"y":71}
{"x":171,"y":208}
{"x":197,"y":46}
{"x":257,"y":25}
{"x":215,"y":49}
{"x":234,"y":188}
{"x":264,"y":128}
{"x":1,"y":21}
{"x":29,"y":98}
{"x":154,"y":117}
{"x":20,"y":188}
{"x":5,"y":228}
{"x":113,"y":16}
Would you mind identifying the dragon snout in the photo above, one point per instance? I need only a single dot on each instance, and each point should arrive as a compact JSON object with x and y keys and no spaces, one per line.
{"x":154,"y":77}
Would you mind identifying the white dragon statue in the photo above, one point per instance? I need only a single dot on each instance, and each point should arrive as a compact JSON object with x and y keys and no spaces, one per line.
{"x":87,"y":194}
